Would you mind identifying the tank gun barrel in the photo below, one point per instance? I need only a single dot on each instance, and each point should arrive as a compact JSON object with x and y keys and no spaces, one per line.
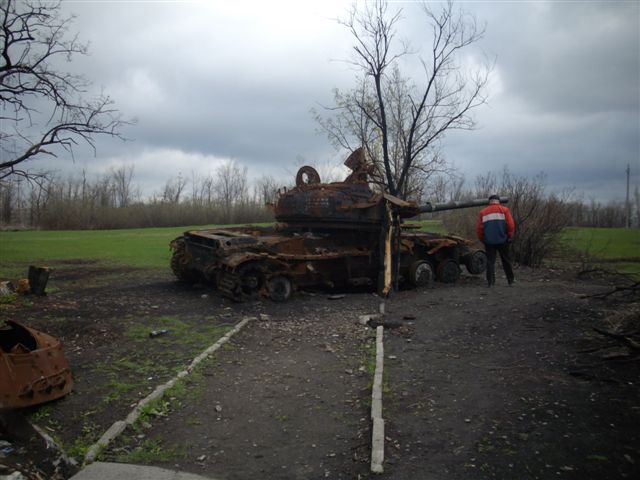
{"x":453,"y":205}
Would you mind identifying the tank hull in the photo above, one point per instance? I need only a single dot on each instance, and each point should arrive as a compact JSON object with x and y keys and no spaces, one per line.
{"x":250,"y":262}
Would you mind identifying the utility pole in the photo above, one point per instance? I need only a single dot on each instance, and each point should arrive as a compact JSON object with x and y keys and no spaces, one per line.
{"x":627,"y":207}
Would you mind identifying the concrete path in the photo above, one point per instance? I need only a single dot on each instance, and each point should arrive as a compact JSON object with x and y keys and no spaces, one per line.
{"x":121,"y":471}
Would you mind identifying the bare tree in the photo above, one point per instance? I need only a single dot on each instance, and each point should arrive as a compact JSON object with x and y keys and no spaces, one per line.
{"x":539,"y":217}
{"x":173,"y":189}
{"x":122,"y":178}
{"x":8,"y":194}
{"x":401,"y":120}
{"x":266,"y":190}
{"x":231,"y":187}
{"x":444,"y":188}
{"x":42,"y":109}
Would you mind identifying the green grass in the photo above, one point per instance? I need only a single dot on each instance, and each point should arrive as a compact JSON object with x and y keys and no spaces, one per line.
{"x":153,"y":450}
{"x":133,"y":371}
{"x":140,"y":247}
{"x":89,"y":435}
{"x":613,"y":248}
{"x":146,"y":247}
{"x":41,"y":414}
{"x":179,"y":332}
{"x":117,"y":388}
{"x":434,"y":226}
{"x":606,"y":243}
{"x":8,"y":299}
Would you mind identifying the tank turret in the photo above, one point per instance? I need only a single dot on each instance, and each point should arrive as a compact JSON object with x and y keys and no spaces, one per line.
{"x":349,"y":204}
{"x":337,"y":205}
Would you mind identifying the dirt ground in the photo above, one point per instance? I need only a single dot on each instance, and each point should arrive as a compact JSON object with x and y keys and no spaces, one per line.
{"x":507,"y":382}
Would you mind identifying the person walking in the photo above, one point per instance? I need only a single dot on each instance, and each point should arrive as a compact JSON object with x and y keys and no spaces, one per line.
{"x":495,"y":228}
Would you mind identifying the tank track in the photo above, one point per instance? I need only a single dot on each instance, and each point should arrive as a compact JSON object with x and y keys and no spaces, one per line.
{"x":175,"y":264}
{"x":229,"y":286}
{"x":178,"y":263}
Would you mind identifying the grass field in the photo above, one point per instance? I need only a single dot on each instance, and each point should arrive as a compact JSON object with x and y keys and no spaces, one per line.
{"x":605,"y":242}
{"x":612,"y":248}
{"x":149,"y":247}
{"x":434,"y":226}
{"x":144,"y":248}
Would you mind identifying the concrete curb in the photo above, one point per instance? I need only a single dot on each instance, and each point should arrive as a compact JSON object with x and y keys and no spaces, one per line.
{"x":123,"y":471}
{"x":377,"y":435}
{"x":119,"y":426}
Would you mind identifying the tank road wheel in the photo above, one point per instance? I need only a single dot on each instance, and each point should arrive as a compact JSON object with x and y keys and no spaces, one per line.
{"x":420,"y":273}
{"x":448,"y":271}
{"x":180,"y":265}
{"x":279,"y":288}
{"x":476,"y":262}
{"x":251,"y":279}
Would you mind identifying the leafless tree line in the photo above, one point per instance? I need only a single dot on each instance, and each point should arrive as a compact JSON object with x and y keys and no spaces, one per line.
{"x":113,"y":200}
{"x":610,"y":214}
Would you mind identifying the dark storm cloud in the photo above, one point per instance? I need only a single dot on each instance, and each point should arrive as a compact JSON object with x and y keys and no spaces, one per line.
{"x":576,"y":57}
{"x":571,"y":154}
{"x":209,"y":81}
{"x":218,"y":83}
{"x":565,"y":96}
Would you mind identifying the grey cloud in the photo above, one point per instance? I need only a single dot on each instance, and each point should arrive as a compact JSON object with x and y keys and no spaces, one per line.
{"x":590,"y":156}
{"x":577,"y":57}
{"x":210,"y":96}
{"x":204,"y":81}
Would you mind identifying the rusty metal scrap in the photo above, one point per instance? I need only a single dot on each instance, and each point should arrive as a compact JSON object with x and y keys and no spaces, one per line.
{"x":35,"y":284}
{"x":33,"y":368}
{"x":6,"y":288}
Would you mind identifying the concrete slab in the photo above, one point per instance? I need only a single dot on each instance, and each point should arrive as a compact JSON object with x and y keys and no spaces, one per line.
{"x":122,"y":471}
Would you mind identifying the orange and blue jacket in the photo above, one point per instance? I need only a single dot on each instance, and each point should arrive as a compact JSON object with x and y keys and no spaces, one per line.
{"x":495,"y":225}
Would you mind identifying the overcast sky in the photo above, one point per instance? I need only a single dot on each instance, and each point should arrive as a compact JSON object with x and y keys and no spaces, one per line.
{"x":209,"y":81}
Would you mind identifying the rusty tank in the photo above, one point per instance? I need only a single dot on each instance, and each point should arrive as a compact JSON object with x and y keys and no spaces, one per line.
{"x":329,"y":235}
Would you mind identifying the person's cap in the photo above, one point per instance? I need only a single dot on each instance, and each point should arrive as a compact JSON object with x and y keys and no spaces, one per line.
{"x":494,"y":197}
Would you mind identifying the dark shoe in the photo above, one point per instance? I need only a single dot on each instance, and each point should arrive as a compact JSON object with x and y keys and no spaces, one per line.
{"x":511,"y":282}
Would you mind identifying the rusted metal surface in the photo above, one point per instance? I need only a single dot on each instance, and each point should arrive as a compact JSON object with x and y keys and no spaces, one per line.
{"x":33,"y":368}
{"x":336,"y":234}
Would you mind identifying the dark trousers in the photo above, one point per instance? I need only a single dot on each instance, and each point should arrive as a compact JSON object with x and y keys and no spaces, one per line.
{"x":491,"y":251}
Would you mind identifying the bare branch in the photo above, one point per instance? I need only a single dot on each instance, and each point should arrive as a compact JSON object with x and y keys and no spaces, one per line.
{"x":42,"y":109}
{"x":402,"y":120}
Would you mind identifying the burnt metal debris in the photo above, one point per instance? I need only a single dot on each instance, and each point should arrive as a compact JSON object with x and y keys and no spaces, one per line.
{"x":33,"y":368}
{"x":334,"y":235}
{"x":35,"y":284}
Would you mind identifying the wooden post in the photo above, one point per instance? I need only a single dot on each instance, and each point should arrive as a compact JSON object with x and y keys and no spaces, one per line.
{"x":388,"y":262}
{"x":38,"y":278}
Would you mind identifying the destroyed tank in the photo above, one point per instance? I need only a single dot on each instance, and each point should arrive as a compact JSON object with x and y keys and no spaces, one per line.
{"x":334,"y":235}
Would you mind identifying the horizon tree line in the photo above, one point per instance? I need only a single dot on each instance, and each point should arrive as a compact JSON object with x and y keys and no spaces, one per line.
{"x":226,"y":195}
